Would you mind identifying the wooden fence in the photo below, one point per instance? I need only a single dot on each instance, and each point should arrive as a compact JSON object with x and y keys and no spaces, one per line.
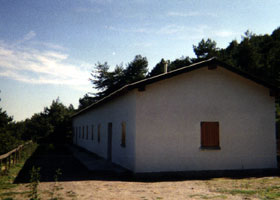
{"x":9,"y":159}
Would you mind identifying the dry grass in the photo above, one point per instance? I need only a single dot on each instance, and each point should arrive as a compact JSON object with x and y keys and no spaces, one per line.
{"x":219,"y":188}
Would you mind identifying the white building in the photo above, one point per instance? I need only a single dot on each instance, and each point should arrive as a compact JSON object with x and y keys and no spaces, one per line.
{"x":206,"y":116}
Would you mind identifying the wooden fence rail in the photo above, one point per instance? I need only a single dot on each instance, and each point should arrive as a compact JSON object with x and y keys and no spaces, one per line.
{"x":12,"y":157}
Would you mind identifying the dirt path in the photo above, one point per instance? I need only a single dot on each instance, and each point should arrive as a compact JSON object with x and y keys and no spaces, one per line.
{"x":220,"y":188}
{"x":126,"y":190}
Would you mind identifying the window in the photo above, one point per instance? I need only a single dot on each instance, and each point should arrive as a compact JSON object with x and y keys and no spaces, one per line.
{"x":123,"y":134}
{"x":92,"y":128}
{"x":83,"y":132}
{"x":210,"y":135}
{"x":98,"y":133}
{"x":79,"y":132}
{"x":87,"y":131}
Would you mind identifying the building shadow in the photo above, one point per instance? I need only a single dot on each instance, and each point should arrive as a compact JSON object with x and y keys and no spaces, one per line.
{"x":50,"y":157}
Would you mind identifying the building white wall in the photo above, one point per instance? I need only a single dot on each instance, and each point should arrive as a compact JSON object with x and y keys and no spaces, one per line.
{"x":118,"y":110}
{"x":169,"y":112}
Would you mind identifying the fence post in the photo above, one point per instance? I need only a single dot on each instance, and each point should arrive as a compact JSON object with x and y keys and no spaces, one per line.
{"x":18,"y":155}
{"x":19,"y":151}
{"x":6,"y":165}
{"x":0,"y":166}
{"x":15,"y":158}
{"x":9,"y":161}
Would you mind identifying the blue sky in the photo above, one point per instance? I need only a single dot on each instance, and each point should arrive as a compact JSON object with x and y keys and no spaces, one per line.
{"x":48,"y":48}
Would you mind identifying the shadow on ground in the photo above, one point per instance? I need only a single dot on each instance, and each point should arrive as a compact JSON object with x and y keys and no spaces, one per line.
{"x":51,"y":157}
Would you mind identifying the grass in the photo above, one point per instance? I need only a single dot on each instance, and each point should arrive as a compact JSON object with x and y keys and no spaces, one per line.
{"x":262,"y":188}
{"x":7,"y":180}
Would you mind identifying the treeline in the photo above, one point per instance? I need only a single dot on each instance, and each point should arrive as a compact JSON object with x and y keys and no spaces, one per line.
{"x":255,"y":54}
{"x":53,"y":125}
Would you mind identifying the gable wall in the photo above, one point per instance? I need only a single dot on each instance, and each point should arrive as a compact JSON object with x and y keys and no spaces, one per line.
{"x":169,"y":112}
{"x":118,"y":110}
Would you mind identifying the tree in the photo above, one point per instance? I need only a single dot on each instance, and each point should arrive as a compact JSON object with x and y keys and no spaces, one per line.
{"x":51,"y":125}
{"x":136,"y":70}
{"x":205,"y":49}
{"x":7,"y":140}
{"x":178,"y":63}
{"x":106,"y":81}
{"x":59,"y":118}
{"x":159,"y":68}
{"x":85,"y":101}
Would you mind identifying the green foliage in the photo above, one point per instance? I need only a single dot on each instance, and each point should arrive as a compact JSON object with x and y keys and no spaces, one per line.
{"x":159,"y":68}
{"x":58,"y":173}
{"x":205,"y":49}
{"x":85,"y":101}
{"x":176,"y":64}
{"x":256,"y":54}
{"x":56,"y":187}
{"x":34,"y":182}
{"x":106,"y":81}
{"x":136,"y":70}
{"x":51,"y":125}
{"x":8,"y":138}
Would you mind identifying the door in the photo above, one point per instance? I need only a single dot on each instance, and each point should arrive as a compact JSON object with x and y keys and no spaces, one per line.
{"x":76,"y":135}
{"x":109,"y":144}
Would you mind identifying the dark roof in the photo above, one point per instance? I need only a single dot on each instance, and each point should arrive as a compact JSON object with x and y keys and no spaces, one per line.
{"x":211,"y":63}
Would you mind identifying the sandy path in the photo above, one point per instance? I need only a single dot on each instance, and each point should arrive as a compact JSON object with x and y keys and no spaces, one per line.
{"x":76,"y":190}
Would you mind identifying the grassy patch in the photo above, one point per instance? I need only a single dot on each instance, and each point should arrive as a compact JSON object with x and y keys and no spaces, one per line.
{"x":263,"y":188}
{"x":202,"y":196}
{"x":6,"y":180}
{"x":238,"y":191}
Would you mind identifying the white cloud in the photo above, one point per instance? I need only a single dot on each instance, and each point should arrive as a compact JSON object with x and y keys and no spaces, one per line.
{"x":171,"y":29}
{"x":88,"y":10}
{"x":143,"y":44}
{"x":129,"y":30}
{"x":29,"y":36}
{"x":47,"y":45}
{"x":190,"y":14}
{"x":224,"y":33}
{"x":103,"y":2}
{"x":37,"y":66}
{"x":164,"y":30}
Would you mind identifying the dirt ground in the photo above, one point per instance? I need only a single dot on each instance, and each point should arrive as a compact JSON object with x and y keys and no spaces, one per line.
{"x":77,"y":183}
{"x":219,"y":188}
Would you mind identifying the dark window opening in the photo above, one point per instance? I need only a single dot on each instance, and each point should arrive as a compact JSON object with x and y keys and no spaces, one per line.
{"x":123,"y":134}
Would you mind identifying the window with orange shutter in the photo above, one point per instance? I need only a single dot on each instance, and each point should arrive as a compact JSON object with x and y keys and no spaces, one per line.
{"x":210,"y":135}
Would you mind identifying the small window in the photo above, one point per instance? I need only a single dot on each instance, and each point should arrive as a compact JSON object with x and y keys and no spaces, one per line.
{"x":123,"y":134}
{"x":79,"y":132}
{"x":87,"y":131}
{"x":210,"y":135}
{"x":92,"y":128}
{"x":98,"y":133}
{"x":83,"y":132}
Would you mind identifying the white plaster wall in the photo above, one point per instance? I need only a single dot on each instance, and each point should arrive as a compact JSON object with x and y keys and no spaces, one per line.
{"x":169,"y":112}
{"x":118,"y":110}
